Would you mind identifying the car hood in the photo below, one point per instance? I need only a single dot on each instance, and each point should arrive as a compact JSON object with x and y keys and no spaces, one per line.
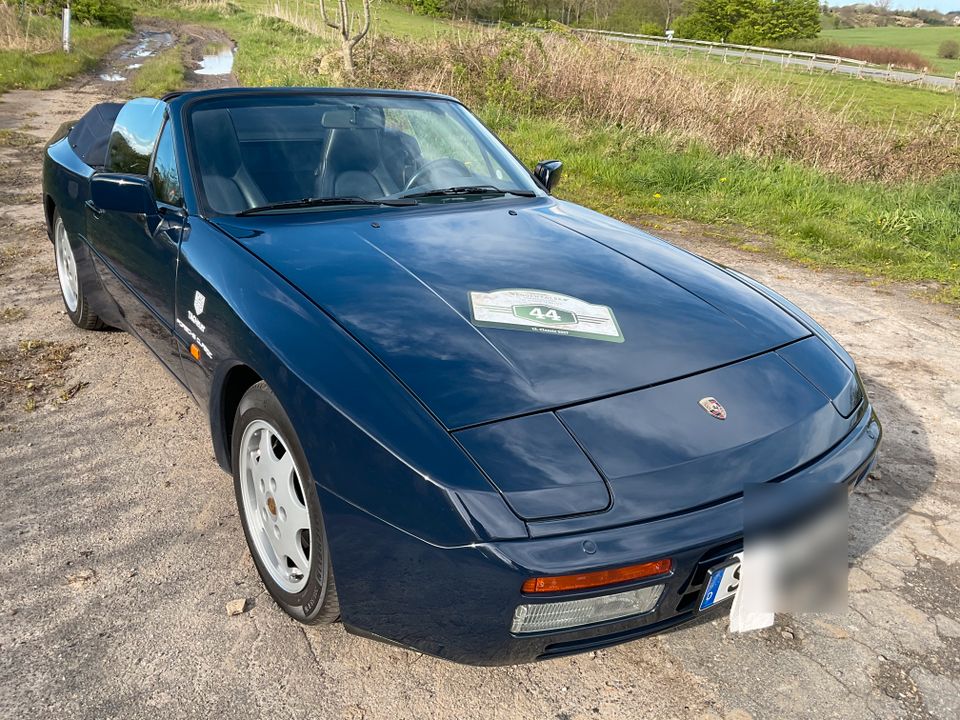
{"x":400,"y":281}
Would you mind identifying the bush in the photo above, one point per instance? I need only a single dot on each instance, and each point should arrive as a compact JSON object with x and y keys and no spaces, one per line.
{"x":949,"y":49}
{"x":650,"y":28}
{"x":431,"y":8}
{"x":750,"y":22}
{"x":107,"y":13}
{"x":898,"y":57}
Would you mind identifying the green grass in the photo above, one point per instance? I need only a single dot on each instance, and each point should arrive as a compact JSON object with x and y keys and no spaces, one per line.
{"x":399,"y":22}
{"x":908,"y":231}
{"x":868,"y":101}
{"x":160,"y":74}
{"x":40,"y":71}
{"x":924,"y":40}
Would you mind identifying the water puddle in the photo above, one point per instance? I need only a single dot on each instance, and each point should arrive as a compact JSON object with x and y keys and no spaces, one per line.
{"x":150,"y":43}
{"x":219,"y":63}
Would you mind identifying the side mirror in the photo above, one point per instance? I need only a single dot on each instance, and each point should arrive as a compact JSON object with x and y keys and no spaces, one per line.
{"x":118,"y":192}
{"x":548,"y":173}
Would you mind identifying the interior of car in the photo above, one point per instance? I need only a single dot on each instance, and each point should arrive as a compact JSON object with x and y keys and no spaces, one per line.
{"x":247,"y":161}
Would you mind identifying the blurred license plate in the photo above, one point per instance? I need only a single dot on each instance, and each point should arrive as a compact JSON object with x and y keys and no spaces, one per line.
{"x":722,"y":583}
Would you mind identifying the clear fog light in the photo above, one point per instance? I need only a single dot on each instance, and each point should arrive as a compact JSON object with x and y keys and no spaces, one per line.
{"x":573,"y":613}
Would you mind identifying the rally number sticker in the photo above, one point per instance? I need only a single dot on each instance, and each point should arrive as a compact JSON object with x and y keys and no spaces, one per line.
{"x":544,"y":312}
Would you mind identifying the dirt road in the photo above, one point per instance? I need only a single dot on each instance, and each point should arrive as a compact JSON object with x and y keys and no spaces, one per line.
{"x":120,"y":543}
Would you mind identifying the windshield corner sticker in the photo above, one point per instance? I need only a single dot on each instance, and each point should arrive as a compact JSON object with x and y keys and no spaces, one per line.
{"x":544,"y":312}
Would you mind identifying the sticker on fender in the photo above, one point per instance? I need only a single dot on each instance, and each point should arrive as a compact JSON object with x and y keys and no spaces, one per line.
{"x":545,"y":312}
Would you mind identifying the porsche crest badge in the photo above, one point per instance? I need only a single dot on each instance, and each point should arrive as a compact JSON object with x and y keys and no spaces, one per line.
{"x":713,"y":407}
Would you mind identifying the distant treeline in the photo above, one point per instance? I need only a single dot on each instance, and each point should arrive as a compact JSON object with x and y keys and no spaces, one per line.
{"x":739,"y":21}
{"x":626,"y":15}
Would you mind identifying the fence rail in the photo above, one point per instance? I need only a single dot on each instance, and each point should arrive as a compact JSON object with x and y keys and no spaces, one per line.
{"x":796,"y":58}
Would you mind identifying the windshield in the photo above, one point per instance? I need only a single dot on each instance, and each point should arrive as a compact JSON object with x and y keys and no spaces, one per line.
{"x":257,"y":152}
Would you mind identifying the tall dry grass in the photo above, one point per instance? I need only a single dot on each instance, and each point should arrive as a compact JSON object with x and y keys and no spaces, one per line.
{"x":584,"y":81}
{"x":24,"y":34}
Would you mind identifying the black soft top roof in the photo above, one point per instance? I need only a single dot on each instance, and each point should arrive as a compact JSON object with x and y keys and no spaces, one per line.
{"x":90,"y":136}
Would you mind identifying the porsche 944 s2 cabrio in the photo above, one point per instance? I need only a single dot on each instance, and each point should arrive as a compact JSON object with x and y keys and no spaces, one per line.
{"x":461,"y":415}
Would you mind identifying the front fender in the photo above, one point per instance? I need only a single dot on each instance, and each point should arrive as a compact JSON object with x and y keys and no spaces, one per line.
{"x":367,"y":439}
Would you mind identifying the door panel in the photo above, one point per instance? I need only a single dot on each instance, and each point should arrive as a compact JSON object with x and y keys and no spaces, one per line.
{"x":140,"y":256}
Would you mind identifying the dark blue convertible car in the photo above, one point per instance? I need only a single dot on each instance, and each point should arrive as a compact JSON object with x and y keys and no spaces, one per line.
{"x":461,"y":415}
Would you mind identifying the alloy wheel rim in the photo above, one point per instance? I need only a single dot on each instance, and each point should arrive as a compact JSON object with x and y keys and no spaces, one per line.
{"x":274,"y":503}
{"x":66,"y":267}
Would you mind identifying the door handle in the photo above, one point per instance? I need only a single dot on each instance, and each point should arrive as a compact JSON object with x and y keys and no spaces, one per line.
{"x":97,"y":212}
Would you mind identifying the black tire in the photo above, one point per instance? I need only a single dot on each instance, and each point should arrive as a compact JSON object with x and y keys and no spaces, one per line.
{"x":82,"y":315}
{"x":317,"y":602}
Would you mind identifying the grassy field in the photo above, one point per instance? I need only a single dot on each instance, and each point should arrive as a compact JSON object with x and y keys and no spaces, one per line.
{"x":39,"y":69}
{"x":868,"y":101}
{"x":924,"y":40}
{"x":908,"y":231}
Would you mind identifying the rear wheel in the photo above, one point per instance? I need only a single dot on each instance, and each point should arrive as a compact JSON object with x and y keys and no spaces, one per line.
{"x":71,"y":290}
{"x":280,"y":510}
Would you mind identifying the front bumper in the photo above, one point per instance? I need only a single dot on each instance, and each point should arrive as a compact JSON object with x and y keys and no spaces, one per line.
{"x":458,"y":603}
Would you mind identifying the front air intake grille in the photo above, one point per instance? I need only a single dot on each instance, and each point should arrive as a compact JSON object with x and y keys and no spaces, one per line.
{"x":690,"y":593}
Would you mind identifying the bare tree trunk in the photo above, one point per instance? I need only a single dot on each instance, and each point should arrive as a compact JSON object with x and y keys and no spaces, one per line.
{"x":344,"y":27}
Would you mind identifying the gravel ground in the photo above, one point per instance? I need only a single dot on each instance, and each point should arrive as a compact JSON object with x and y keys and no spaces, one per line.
{"x":121,"y":544}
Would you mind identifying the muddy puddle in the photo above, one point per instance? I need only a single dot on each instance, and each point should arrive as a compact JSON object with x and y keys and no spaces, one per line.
{"x":218,"y":63}
{"x":149,"y":43}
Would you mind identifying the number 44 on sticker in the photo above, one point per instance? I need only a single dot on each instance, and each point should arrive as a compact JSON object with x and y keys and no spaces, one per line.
{"x":544,"y":314}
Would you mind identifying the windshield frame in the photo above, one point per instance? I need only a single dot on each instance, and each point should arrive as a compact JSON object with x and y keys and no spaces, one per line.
{"x":221,"y":99}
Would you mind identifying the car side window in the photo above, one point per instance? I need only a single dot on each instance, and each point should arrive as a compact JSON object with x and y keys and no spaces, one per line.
{"x":164,"y":175}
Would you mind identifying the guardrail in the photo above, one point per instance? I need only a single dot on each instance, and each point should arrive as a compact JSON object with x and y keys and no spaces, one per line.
{"x":797,"y":58}
{"x":680,"y":42}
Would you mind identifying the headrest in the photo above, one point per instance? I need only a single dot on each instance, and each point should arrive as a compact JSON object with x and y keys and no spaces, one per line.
{"x":353,"y":150}
{"x":215,"y":139}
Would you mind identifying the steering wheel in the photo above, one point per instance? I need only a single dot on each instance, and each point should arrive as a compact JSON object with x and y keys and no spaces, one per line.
{"x":456,"y":166}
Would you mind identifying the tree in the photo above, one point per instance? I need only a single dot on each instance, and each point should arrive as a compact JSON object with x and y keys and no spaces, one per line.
{"x":671,"y":8}
{"x":750,"y":21}
{"x":344,"y":27}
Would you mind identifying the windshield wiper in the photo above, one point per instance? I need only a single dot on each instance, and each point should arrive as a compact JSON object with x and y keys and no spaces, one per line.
{"x":470,"y":190}
{"x":319,"y":202}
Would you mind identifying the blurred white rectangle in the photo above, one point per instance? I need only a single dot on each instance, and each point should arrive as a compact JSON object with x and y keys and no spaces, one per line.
{"x":794,"y":552}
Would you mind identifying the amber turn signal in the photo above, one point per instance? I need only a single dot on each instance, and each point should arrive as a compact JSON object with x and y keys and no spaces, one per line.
{"x":195,"y":351}
{"x":582,"y":581}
